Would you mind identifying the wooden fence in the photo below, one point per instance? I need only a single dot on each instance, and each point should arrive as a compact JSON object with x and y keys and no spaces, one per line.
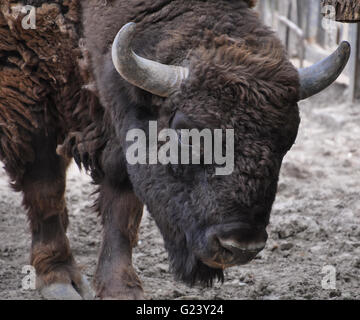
{"x":310,"y":33}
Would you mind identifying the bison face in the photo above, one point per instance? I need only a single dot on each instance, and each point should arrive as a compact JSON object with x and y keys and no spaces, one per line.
{"x":208,"y":221}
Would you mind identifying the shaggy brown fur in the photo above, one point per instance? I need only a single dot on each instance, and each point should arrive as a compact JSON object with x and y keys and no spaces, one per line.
{"x":40,"y":87}
{"x":43,"y":101}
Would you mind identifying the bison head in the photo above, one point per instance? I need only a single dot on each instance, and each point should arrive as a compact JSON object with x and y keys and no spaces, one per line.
{"x":208,"y":221}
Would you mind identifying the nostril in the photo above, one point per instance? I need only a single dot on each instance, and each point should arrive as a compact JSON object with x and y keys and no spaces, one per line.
{"x":226,"y":250}
{"x":237,"y":247}
{"x":244,"y":237}
{"x":235,"y":242}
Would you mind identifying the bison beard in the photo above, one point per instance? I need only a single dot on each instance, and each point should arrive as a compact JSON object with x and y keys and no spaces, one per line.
{"x":192,"y":270}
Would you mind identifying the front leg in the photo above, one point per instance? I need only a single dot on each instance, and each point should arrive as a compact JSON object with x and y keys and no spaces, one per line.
{"x":121,"y":213}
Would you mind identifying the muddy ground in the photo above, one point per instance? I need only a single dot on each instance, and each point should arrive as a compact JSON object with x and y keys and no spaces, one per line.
{"x":315,"y":222}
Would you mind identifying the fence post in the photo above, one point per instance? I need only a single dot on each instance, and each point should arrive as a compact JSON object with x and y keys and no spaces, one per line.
{"x":313,"y":20}
{"x":355,"y":62}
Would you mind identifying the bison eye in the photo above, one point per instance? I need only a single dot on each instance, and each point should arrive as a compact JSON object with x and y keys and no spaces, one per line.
{"x":182,"y":124}
{"x":181,"y":121}
{"x":183,"y":138}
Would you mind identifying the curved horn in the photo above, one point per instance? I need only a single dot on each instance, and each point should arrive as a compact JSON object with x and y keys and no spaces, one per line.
{"x":319,"y":76}
{"x":156,"y":78}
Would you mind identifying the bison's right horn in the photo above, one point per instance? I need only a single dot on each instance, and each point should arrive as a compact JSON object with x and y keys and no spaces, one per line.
{"x":156,"y":78}
{"x":319,"y":76}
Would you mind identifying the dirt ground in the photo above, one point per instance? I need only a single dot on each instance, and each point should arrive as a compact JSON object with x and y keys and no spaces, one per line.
{"x":315,"y":222}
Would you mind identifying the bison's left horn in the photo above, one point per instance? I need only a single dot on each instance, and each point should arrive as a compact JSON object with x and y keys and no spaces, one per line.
{"x":159,"y":79}
{"x":319,"y":76}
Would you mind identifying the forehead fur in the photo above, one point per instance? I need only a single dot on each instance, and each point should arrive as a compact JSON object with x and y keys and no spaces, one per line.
{"x":260,"y":63}
{"x":240,"y":72}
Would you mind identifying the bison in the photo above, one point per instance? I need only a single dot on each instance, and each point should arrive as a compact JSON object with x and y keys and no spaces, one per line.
{"x":73,"y":85}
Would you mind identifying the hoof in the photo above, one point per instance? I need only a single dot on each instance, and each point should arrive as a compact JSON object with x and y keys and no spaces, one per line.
{"x":121,"y":293}
{"x":60,"y":291}
{"x":128,"y":296}
{"x":67,"y":291}
{"x":85,"y":289}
